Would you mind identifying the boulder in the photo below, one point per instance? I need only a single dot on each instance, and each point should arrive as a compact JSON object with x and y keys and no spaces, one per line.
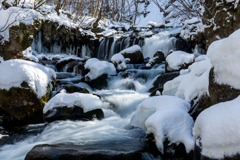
{"x":71,"y":88}
{"x":99,"y":83}
{"x":75,"y":113}
{"x":22,"y":93}
{"x":220,"y":92}
{"x":160,"y":55}
{"x":135,"y":57}
{"x":20,"y":38}
{"x":162,"y":79}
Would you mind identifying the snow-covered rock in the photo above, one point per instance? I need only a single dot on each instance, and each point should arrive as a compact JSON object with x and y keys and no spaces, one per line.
{"x":119,"y":62}
{"x":225,"y":56}
{"x":25,"y":87}
{"x":166,"y":117}
{"x":217,"y":130}
{"x":134,"y":54}
{"x":98,"y":68}
{"x":15,"y":72}
{"x":192,"y":82}
{"x":178,"y":60}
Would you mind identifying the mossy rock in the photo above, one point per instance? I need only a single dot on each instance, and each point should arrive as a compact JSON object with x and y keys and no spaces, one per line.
{"x":135,"y":58}
{"x":23,"y":103}
{"x":155,"y":91}
{"x":20,"y":38}
{"x":219,"y":92}
{"x":70,"y":88}
{"x":74,"y":113}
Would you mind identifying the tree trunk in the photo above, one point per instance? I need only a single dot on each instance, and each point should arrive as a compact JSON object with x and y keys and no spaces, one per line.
{"x":113,"y":9}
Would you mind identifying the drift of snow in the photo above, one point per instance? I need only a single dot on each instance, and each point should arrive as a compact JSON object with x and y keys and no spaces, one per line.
{"x":28,"y":54}
{"x":98,"y":68}
{"x":12,"y":17}
{"x":131,"y":49}
{"x":14,"y":72}
{"x":166,"y":117}
{"x":225,"y":55}
{"x":87,"y":102}
{"x":218,"y":129}
{"x":192,"y":82}
{"x":119,"y":60}
{"x":178,"y":58}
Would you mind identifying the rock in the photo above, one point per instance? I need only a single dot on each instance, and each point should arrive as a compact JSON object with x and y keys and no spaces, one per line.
{"x":135,"y":57}
{"x":70,"y":88}
{"x":99,"y":83}
{"x":131,"y":149}
{"x":203,"y":103}
{"x":60,"y":64}
{"x":20,"y":38}
{"x":75,"y":113}
{"x":23,"y":104}
{"x":219,"y":92}
{"x":160,"y":55}
{"x":162,"y":79}
{"x":171,"y":151}
{"x":156,"y":92}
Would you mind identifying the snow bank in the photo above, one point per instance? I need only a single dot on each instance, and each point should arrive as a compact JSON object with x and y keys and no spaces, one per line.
{"x":225,"y":56}
{"x":87,"y":102}
{"x":98,"y":68}
{"x":154,"y":24}
{"x":119,"y":60}
{"x":218,"y":129}
{"x":178,"y":58}
{"x":130,"y":50}
{"x":12,"y":17}
{"x":192,"y":82}
{"x":14,"y":72}
{"x":166,"y":117}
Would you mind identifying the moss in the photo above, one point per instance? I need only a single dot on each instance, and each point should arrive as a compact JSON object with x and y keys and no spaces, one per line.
{"x":155,"y":91}
{"x":23,"y":103}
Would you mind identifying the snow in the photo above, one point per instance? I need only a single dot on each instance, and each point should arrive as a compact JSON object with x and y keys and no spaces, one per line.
{"x":178,"y":58}
{"x":87,"y":102}
{"x":1,"y":59}
{"x":131,"y":49}
{"x":120,"y":60}
{"x":12,"y":17}
{"x":14,"y":72}
{"x":98,"y":68}
{"x":165,"y":117}
{"x":192,"y":82}
{"x":69,"y":57}
{"x":28,"y":54}
{"x":218,"y":129}
{"x":225,"y":55}
{"x":151,"y":23}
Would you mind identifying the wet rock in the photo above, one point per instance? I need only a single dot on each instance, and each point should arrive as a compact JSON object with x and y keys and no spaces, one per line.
{"x":20,"y":38}
{"x":156,"y":92}
{"x":23,"y":104}
{"x":160,"y":55}
{"x":135,"y":57}
{"x":99,"y":83}
{"x":219,"y":92}
{"x":64,"y":75}
{"x":75,"y":113}
{"x":110,"y":150}
{"x":130,"y":86}
{"x":71,"y":61}
{"x":162,"y":79}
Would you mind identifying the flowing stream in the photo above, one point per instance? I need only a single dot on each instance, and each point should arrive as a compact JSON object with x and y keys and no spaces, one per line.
{"x":120,"y":101}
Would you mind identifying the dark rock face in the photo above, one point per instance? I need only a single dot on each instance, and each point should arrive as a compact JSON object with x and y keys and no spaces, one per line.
{"x":71,"y":88}
{"x":20,"y":38}
{"x":203,"y":103}
{"x":220,"y":93}
{"x":23,"y":104}
{"x":162,"y":79}
{"x":65,"y":37}
{"x":135,"y":58}
{"x":75,"y":113}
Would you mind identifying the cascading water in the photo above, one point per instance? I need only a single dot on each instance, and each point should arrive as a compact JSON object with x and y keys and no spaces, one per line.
{"x":120,"y":100}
